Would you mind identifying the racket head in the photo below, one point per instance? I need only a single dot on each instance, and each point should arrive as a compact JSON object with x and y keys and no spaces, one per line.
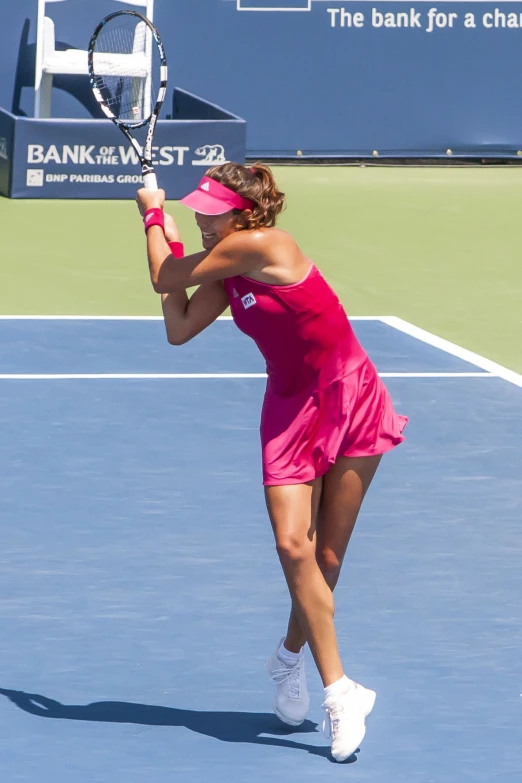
{"x":128,"y":69}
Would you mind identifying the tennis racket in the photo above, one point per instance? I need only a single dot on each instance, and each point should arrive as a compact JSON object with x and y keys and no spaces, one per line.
{"x":128,"y":75}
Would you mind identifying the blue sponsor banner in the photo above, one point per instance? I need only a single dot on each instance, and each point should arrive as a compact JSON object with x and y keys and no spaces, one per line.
{"x":92,"y":158}
{"x":411,"y":79}
{"x":317,"y":78}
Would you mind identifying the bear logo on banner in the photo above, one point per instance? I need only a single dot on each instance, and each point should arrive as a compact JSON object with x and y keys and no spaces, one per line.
{"x":213,"y":154}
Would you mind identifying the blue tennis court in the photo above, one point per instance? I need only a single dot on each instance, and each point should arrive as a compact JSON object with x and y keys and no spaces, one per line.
{"x":141,"y":591}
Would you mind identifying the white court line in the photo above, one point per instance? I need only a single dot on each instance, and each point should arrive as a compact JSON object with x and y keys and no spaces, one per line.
{"x":455,"y":350}
{"x":216,"y":375}
{"x":91,"y":318}
{"x":437,"y":375}
{"x":125,"y":376}
{"x":135,"y":318}
{"x":492,"y":369}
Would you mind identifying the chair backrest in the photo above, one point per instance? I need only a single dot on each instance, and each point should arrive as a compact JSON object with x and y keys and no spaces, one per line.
{"x":45,"y":33}
{"x":148,"y":5}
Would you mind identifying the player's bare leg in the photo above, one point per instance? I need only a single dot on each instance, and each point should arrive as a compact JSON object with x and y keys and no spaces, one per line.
{"x":293,"y":513}
{"x":343,"y":491}
{"x":327,"y":524}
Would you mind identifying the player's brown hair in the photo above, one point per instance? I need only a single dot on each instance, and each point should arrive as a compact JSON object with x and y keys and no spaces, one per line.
{"x":255,"y":182}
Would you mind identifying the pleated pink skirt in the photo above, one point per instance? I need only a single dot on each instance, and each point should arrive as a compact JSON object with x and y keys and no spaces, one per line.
{"x":302,"y":436}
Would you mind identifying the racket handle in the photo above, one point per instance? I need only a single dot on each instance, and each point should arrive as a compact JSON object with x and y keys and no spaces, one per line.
{"x":149,"y":181}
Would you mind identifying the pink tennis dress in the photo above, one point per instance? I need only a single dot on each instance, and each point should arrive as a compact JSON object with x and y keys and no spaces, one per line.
{"x":324,"y":398}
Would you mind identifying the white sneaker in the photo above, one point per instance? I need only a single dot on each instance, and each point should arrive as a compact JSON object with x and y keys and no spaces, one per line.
{"x":291,"y":701}
{"x":346,"y":716}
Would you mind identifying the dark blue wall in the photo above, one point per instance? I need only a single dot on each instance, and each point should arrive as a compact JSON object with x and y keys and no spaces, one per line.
{"x":303,"y":84}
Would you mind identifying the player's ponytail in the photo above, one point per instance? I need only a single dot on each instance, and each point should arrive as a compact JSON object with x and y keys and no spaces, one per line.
{"x":255,"y":182}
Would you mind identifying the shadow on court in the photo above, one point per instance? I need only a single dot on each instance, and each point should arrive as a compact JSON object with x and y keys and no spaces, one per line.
{"x":224,"y":726}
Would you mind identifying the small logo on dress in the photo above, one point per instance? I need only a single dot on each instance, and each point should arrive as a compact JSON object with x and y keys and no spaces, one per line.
{"x":235,"y":293}
{"x":248,"y":300}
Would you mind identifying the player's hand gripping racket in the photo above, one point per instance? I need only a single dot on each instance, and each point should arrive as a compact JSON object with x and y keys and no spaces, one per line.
{"x":128,"y":74}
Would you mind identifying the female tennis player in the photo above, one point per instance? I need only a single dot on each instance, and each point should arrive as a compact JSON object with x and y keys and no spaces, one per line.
{"x":326,"y":421}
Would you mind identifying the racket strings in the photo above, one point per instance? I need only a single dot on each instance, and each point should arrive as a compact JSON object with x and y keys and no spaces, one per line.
{"x":126,"y":69}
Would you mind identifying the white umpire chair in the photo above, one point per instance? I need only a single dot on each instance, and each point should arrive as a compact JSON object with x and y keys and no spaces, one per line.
{"x":51,"y":61}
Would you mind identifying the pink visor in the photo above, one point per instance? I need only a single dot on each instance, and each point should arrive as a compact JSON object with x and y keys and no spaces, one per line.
{"x":213,"y":198}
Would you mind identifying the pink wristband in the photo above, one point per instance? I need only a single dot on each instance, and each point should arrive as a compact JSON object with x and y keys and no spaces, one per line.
{"x":177,"y":249}
{"x":154,"y":217}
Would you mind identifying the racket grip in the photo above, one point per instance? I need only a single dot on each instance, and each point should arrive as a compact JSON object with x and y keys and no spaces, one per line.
{"x":149,"y":181}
